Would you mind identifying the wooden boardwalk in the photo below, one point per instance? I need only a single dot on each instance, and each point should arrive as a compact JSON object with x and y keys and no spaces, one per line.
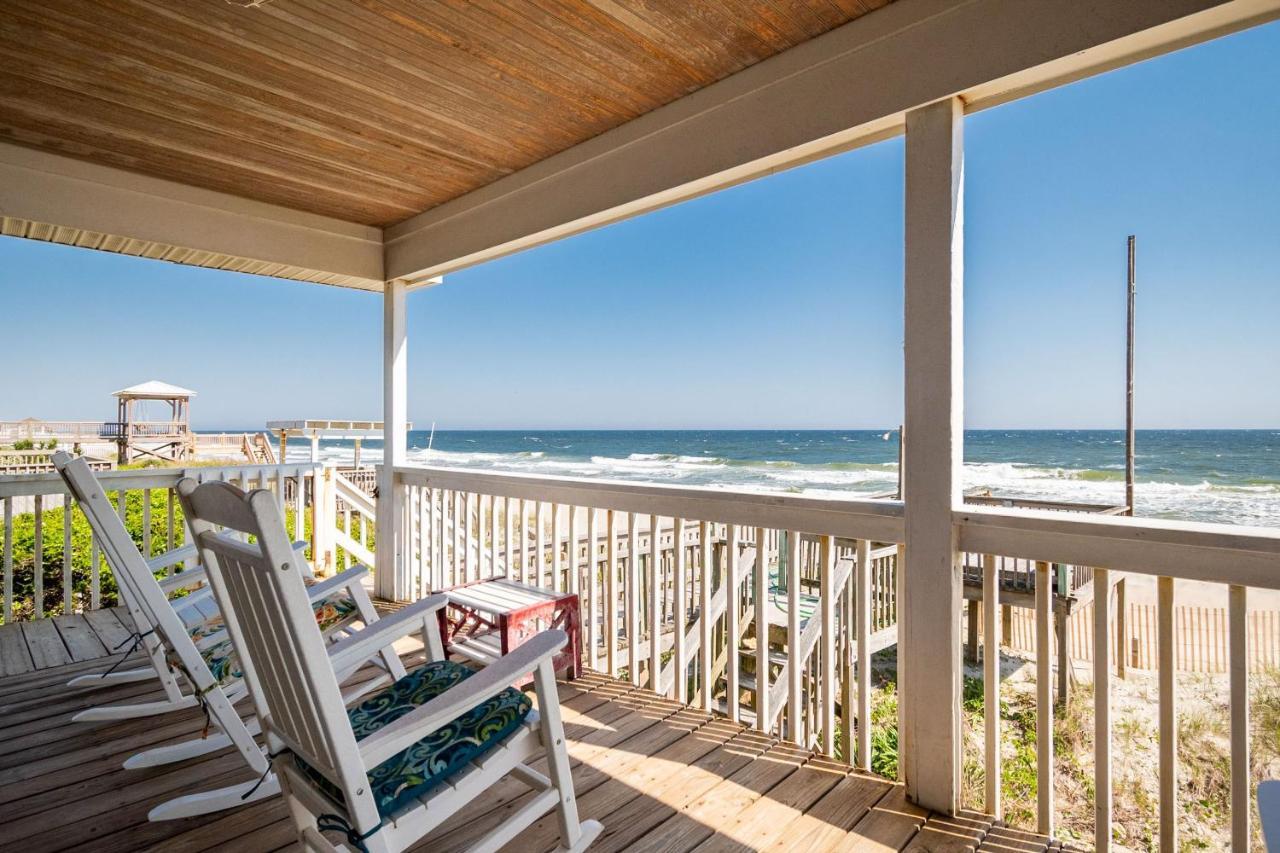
{"x":660,"y":776}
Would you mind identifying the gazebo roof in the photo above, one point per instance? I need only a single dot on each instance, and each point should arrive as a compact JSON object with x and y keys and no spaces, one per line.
{"x":154,"y":390}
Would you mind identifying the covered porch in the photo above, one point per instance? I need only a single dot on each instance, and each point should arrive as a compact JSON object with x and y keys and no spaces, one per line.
{"x":760,"y":610}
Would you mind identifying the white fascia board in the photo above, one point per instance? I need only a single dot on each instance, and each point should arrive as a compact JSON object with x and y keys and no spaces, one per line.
{"x":41,"y":187}
{"x":849,"y":87}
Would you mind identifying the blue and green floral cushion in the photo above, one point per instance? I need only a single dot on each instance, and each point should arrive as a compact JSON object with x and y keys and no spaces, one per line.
{"x":432,"y":760}
{"x":333,"y":609}
{"x":221,"y":657}
{"x":223,"y":662}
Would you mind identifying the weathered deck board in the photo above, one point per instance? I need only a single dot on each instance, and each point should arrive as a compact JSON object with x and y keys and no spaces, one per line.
{"x":15,"y":658}
{"x":659,"y":775}
{"x":33,"y":646}
{"x":45,"y":644}
{"x":111,"y":626}
{"x":79,"y":637}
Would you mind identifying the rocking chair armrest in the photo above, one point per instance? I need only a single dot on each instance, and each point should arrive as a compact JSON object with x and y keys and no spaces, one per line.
{"x":457,"y":700}
{"x":185,"y":579}
{"x":342,"y":580}
{"x":172,"y":558}
{"x":350,"y":652}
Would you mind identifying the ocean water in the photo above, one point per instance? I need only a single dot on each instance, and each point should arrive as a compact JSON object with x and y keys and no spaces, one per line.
{"x":1230,"y":476}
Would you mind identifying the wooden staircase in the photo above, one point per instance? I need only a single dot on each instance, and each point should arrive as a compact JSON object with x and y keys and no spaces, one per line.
{"x":257,"y":449}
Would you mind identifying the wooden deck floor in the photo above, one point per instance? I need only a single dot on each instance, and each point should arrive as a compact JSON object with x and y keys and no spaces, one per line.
{"x":659,"y":776}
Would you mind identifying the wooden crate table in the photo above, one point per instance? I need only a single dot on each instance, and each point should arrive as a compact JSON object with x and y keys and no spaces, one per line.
{"x":487,"y":619}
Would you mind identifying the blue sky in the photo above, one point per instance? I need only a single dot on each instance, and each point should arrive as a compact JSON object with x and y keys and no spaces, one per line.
{"x":773,"y":304}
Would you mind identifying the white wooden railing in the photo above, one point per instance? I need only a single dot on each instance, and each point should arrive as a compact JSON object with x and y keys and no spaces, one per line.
{"x":64,"y":431}
{"x":680,"y":610}
{"x":65,"y":569}
{"x":1237,"y":557}
{"x":670,"y":584}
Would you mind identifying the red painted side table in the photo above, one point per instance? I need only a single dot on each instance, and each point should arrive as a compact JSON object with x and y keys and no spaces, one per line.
{"x":487,"y":619}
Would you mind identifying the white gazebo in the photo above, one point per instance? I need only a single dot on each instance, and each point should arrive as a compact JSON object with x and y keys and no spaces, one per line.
{"x":168,"y":438}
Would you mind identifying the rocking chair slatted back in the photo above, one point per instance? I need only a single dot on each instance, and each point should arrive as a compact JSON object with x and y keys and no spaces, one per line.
{"x":142,"y":595}
{"x":271,"y":623}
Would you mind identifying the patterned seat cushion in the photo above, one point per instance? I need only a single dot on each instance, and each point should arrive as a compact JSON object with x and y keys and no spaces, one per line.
{"x":431,"y":761}
{"x":221,"y":658}
{"x":223,"y":662}
{"x":331,"y":610}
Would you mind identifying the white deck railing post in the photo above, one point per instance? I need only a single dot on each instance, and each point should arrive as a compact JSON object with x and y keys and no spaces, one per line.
{"x":390,"y":578}
{"x":929,"y":630}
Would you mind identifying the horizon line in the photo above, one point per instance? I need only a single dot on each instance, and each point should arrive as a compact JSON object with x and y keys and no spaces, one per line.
{"x":439,"y":429}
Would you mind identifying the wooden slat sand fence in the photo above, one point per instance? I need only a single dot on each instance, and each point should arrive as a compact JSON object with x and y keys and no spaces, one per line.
{"x":1201,"y":634}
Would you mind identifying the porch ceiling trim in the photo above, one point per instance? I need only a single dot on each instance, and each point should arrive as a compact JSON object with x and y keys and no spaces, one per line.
{"x":58,"y":199}
{"x":849,"y":87}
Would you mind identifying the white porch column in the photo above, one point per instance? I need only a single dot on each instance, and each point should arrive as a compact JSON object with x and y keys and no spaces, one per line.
{"x":929,"y":633}
{"x":390,"y":581}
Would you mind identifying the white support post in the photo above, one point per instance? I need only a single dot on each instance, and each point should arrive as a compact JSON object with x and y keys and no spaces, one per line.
{"x":930,"y":632}
{"x":391,"y":579}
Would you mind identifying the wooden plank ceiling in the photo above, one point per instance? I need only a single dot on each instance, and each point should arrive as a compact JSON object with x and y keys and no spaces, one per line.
{"x":366,"y":110}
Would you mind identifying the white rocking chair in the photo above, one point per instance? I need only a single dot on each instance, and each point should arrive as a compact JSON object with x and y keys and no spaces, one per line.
{"x":184,"y":644}
{"x":392,"y":768}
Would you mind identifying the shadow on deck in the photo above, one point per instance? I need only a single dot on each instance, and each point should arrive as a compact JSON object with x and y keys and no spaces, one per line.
{"x":660,"y":776}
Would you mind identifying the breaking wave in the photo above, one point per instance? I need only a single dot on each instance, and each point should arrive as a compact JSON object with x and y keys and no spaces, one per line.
{"x":1243,"y":500}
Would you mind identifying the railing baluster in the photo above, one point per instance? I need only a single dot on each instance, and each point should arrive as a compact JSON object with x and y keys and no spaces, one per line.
{"x":681,"y":668}
{"x":575,"y":579}
{"x":426,"y":518}
{"x":171,"y":522}
{"x":67,"y":557}
{"x":557,"y":544}
{"x":436,"y":530}
{"x":1044,"y":701}
{"x":733,"y":628}
{"x":507,"y":529}
{"x":611,"y":595}
{"x":540,"y":562}
{"x":431,"y":496}
{"x":95,"y":574}
{"x":447,"y":533}
{"x":494,"y":532}
{"x":795,"y":667}
{"x":655,"y":605}
{"x":37,"y":578}
{"x":478,"y":565}
{"x":862,"y":601}
{"x":299,"y":507}
{"x":590,"y":621}
{"x":633,"y":599}
{"x":707,"y":675}
{"x":1238,"y":608}
{"x":524,"y":541}
{"x":830,"y":597}
{"x":459,"y":555}
{"x":1168,"y":720}
{"x":8,"y":560}
{"x":1102,"y":709}
{"x":481,"y":555}
{"x":762,"y":630}
{"x":991,"y":681}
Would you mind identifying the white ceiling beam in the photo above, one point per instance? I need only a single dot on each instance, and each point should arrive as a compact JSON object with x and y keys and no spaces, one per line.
{"x":159,"y":218}
{"x":847,"y":88}
{"x":423,"y":283}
